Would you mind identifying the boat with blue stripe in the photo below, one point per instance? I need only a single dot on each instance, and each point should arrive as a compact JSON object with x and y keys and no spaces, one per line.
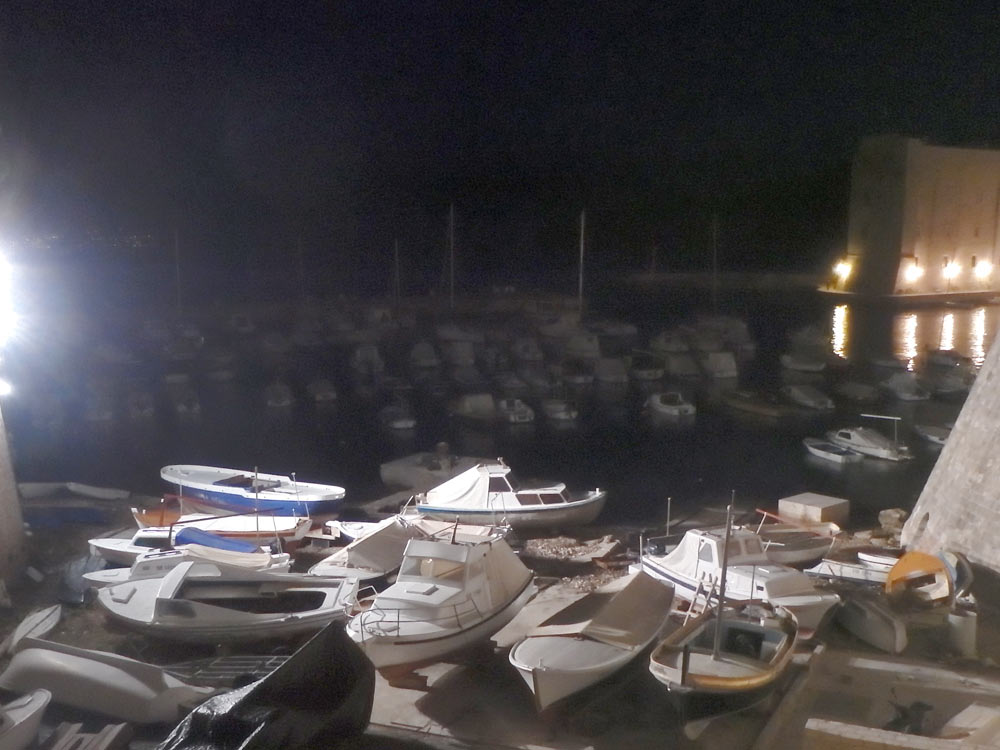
{"x":213,"y":490}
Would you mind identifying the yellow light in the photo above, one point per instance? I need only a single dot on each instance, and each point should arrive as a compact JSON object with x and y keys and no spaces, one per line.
{"x":977,"y":337}
{"x":843,"y":270}
{"x":951,"y":270}
{"x":947,"y":331}
{"x":983,"y":269}
{"x":839,"y":333}
{"x":913,"y":272}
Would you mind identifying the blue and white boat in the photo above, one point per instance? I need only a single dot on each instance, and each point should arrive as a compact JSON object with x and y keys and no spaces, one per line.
{"x":213,"y":489}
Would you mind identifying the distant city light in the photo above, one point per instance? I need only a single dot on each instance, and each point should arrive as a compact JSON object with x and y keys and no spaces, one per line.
{"x":913,"y":272}
{"x":983,"y":269}
{"x":843,"y":270}
{"x":951,"y":270}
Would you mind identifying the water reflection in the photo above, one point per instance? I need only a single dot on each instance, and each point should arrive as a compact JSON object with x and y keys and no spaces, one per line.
{"x":839,"y":335}
{"x":863,"y":332}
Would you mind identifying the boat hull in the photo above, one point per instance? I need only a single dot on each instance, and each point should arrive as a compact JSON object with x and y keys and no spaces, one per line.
{"x":526,"y":517}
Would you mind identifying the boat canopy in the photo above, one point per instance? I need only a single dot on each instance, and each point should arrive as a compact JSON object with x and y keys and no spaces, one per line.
{"x":192,"y":535}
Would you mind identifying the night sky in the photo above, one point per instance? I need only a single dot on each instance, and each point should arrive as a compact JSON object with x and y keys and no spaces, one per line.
{"x":252,"y":128}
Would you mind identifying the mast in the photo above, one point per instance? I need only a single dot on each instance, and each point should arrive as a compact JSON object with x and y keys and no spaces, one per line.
{"x":722,"y":580}
{"x":579,"y":289}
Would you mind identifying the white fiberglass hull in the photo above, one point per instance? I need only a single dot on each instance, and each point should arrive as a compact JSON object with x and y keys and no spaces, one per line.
{"x":523,"y":517}
{"x":401,"y":650}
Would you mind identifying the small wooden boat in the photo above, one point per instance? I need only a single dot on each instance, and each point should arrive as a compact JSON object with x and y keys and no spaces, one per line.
{"x":203,"y":602}
{"x":448,"y":596}
{"x":919,"y":579}
{"x":36,"y":624}
{"x":321,"y":694}
{"x":21,"y":718}
{"x":828,"y":451}
{"x":486,"y":493}
{"x":789,"y":543}
{"x":593,"y":637}
{"x":755,"y":646}
{"x":102,"y":682}
{"x":932,"y":433}
{"x":245,"y":526}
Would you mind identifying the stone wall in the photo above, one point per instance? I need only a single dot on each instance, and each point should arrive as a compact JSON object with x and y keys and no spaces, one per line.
{"x":959,"y":508}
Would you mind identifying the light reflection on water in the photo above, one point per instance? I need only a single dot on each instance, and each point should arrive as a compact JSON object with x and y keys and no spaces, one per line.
{"x":862,"y":333}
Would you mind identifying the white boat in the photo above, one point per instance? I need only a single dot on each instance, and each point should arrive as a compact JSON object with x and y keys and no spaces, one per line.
{"x":489,"y":493}
{"x":904,"y":386}
{"x":948,"y":358}
{"x":593,"y":637}
{"x":802,"y":362}
{"x":808,"y":396}
{"x":21,"y":718}
{"x":102,"y":682}
{"x":244,"y":526}
{"x":932,"y":433}
{"x":397,"y":416}
{"x":36,"y":624}
{"x":695,"y":566}
{"x":421,"y":471}
{"x":559,"y":410}
{"x":855,"y":391}
{"x":718,"y":365}
{"x":379,"y":553}
{"x":846,"y":566}
{"x":448,"y":596}
{"x":207,"y":602}
{"x":514,"y":411}
{"x":646,"y":368}
{"x":867,"y":615}
{"x":755,"y":646}
{"x":670,"y":403}
{"x":247,"y":491}
{"x":476,"y":407}
{"x":156,"y":563}
{"x":831,"y":451}
{"x":870,"y":442}
{"x":791,"y":543}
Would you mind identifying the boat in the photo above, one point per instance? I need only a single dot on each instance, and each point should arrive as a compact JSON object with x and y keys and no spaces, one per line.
{"x":514,"y":411}
{"x":21,"y":718}
{"x":808,"y":396}
{"x":845,"y":565}
{"x":489,"y":492}
{"x":790,"y":543}
{"x":474,"y":407}
{"x":904,"y":386}
{"x":156,"y":563}
{"x":855,"y":391}
{"x":378,"y":554}
{"x":243,"y":526}
{"x":526,"y":349}
{"x":668,"y":342}
{"x":397,"y":416}
{"x":694,"y":567}
{"x":932,"y":433}
{"x":890,"y":362}
{"x":448,"y":596}
{"x":802,"y":362}
{"x":421,"y":471}
{"x":611,"y":371}
{"x":559,"y":411}
{"x":321,"y":694}
{"x":761,"y":404}
{"x":948,"y":358}
{"x":718,"y":663}
{"x":831,"y":451}
{"x":919,"y":579}
{"x":105,"y":683}
{"x":671,"y":404}
{"x":593,"y":637}
{"x":241,"y":491}
{"x":278,"y":395}
{"x":681,"y":365}
{"x":210,"y":602}
{"x":36,"y":624}
{"x":646,"y":368}
{"x":870,"y":442}
{"x":866,"y":615}
{"x":718,"y":365}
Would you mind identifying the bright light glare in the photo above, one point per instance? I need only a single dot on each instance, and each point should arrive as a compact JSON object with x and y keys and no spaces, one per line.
{"x":913,"y":273}
{"x":948,"y":331}
{"x":5,"y":388}
{"x":843,"y":270}
{"x":8,"y":318}
{"x":951,"y":270}
{"x":983,"y":269}
{"x":977,"y":337}
{"x":839,"y":333}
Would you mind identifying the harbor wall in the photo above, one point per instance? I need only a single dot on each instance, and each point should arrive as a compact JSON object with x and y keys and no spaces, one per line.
{"x":959,"y":507}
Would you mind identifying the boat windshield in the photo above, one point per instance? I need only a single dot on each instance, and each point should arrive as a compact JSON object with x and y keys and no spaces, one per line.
{"x":432,"y":567}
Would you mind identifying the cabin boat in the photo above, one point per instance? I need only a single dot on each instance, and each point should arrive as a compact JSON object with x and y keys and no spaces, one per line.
{"x":378,"y":554}
{"x":244,"y":491}
{"x":694,"y":567}
{"x":755,"y":648}
{"x":828,"y":451}
{"x":671,"y":404}
{"x":210,"y":602}
{"x":593,"y":637}
{"x":904,"y":386}
{"x":808,"y":396}
{"x":870,"y":442}
{"x":796,"y":544}
{"x":489,"y":492}
{"x":448,"y":596}
{"x":21,"y":718}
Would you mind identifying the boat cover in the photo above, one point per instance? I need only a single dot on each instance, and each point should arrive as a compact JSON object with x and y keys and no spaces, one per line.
{"x":191,"y":535}
{"x":467,"y":490}
{"x":626,"y":613}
